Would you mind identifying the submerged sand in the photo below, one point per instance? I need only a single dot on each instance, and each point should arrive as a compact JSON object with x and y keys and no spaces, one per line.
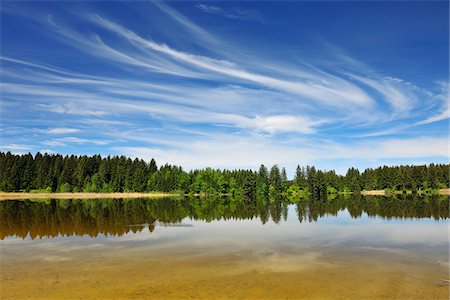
{"x":309,"y":275}
{"x":335,"y":257}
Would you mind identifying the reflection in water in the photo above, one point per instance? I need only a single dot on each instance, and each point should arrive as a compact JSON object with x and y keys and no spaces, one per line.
{"x":51,"y":218}
{"x":346,"y":247}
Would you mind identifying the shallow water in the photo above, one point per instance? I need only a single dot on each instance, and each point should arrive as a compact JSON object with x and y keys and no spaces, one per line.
{"x":371,"y":247}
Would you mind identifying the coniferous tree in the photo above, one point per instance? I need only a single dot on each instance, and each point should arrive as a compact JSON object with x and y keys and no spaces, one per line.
{"x":300,"y":177}
{"x":117,"y":174}
{"x":275,"y":181}
{"x":262,"y":185}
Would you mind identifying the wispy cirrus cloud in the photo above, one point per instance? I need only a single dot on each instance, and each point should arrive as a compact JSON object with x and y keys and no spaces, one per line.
{"x":70,"y":108}
{"x":16,"y":147}
{"x":65,"y":141}
{"x":78,"y":140}
{"x":177,"y":91}
{"x":62,"y":130}
{"x":232,"y":13}
{"x":444,"y":115}
{"x":195,"y":104}
{"x":443,"y":101}
{"x":332,"y":91}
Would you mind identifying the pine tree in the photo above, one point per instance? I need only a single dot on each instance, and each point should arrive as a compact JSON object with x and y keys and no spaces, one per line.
{"x":275,"y":179}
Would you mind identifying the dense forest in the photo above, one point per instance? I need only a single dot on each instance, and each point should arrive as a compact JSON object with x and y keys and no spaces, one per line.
{"x":57,"y":173}
{"x":51,"y":218}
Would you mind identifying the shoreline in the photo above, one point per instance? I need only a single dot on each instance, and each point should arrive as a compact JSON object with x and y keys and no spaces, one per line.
{"x":21,"y":196}
{"x":445,"y":192}
{"x":17,"y":196}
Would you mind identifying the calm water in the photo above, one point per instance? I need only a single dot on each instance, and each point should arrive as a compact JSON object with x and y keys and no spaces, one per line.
{"x":362,"y":247}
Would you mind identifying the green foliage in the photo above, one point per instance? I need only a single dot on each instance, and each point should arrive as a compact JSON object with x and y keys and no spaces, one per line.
{"x":249,"y":188}
{"x":41,"y":191}
{"x":346,"y":190}
{"x":331,"y":190}
{"x":65,"y":188}
{"x":429,"y":191}
{"x":300,"y":177}
{"x":106,"y":188}
{"x":57,"y":173}
{"x":294,"y":193}
{"x":331,"y":197}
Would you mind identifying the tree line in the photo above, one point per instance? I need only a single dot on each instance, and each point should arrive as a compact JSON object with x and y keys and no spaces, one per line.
{"x":57,"y":173}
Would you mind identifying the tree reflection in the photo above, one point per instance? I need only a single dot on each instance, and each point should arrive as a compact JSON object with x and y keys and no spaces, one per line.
{"x":52,"y":218}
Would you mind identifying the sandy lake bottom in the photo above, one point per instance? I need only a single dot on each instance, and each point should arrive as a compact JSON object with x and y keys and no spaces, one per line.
{"x":189,"y":255}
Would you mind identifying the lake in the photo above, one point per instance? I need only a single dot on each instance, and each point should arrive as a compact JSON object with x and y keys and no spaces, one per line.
{"x":347,"y":247}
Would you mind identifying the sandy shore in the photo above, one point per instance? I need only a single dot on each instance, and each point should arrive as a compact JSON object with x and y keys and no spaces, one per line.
{"x":444,"y":192}
{"x":382,"y":192}
{"x":373,"y":192}
{"x":13,"y":196}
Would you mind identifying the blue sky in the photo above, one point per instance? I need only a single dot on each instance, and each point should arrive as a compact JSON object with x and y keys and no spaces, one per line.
{"x":228,"y":84}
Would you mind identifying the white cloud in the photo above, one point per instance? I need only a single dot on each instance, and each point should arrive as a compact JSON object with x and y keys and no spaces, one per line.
{"x":312,"y":91}
{"x":334,"y":91}
{"x":198,"y":34}
{"x":231,"y":151}
{"x":394,"y":148}
{"x":70,"y":109}
{"x":385,"y":132}
{"x":247,"y":108}
{"x":48,"y":151}
{"x":54,"y":143}
{"x":443,"y":98}
{"x":282,"y":123}
{"x":232,"y":13}
{"x":77,"y":140}
{"x":94,"y":45}
{"x":440,"y":117}
{"x":195,"y":106}
{"x":209,"y":8}
{"x":16,"y":147}
{"x":223,"y":151}
{"x":63,"y":141}
{"x":399,"y":99}
{"x":62,"y":130}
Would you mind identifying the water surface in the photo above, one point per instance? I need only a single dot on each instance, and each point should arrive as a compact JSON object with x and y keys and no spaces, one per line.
{"x":359,"y":247}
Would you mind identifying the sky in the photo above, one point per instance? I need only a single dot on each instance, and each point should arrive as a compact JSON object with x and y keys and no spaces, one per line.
{"x":228,"y":84}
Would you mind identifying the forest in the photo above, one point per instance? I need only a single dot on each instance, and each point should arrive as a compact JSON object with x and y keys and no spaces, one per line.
{"x":58,"y":173}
